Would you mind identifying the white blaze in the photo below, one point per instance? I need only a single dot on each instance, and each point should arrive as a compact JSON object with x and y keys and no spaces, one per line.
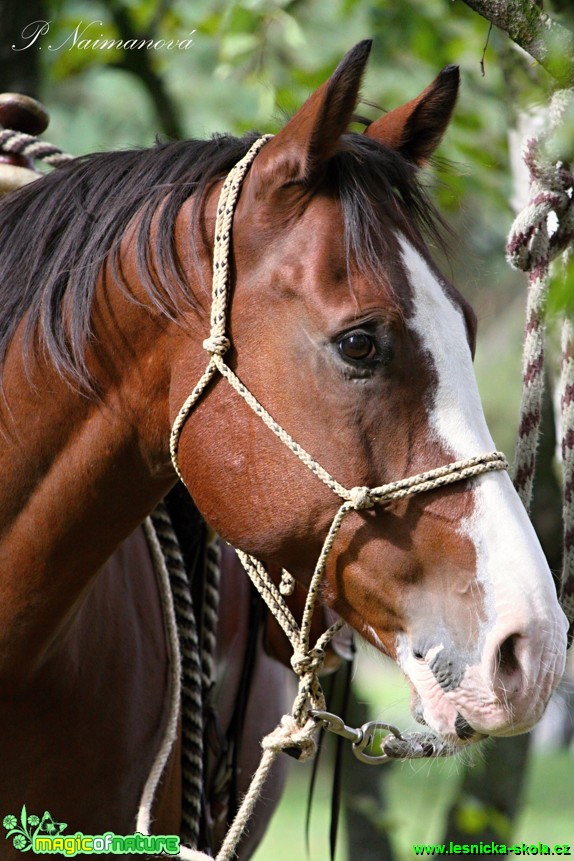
{"x":511,"y":568}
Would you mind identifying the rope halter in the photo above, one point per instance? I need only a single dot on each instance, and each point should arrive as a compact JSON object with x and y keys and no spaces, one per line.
{"x":297,"y":731}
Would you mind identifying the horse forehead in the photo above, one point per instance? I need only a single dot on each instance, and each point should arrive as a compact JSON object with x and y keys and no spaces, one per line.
{"x":316,"y":244}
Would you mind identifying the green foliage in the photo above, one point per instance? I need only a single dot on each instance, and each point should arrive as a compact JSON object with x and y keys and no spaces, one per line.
{"x":254,"y":61}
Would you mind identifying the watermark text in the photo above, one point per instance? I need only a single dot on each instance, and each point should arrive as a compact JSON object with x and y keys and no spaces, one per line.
{"x":85,"y":37}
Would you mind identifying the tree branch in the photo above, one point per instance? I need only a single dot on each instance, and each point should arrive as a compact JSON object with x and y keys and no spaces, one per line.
{"x":139,"y":64}
{"x":541,"y":36}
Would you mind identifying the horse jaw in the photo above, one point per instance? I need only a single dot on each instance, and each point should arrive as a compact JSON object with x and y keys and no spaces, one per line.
{"x":501,"y":681}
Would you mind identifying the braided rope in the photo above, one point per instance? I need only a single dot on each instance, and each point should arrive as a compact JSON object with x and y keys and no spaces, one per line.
{"x":297,"y":731}
{"x":28,"y":145}
{"x":191,"y":677}
{"x":532,"y":245}
{"x":567,"y":413}
{"x":210,"y":608}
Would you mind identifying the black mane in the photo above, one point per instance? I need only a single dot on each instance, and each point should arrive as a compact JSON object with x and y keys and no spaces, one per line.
{"x":56,"y":233}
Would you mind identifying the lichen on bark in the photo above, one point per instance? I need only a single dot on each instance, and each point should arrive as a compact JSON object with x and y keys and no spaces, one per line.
{"x":546,"y":40}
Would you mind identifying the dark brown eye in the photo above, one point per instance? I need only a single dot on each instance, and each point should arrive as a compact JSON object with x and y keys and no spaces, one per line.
{"x":358,"y":347}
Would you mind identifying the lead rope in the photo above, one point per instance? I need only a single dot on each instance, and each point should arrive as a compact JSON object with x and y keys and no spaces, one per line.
{"x":532,"y":246}
{"x":297,"y":731}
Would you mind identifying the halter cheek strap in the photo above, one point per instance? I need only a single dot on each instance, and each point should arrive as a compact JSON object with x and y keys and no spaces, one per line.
{"x":297,"y":731}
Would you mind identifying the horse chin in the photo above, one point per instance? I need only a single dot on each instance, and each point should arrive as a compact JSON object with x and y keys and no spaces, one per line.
{"x":457,"y":737}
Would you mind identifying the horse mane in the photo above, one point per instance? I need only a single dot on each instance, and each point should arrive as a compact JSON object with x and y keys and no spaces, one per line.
{"x":57,"y":232}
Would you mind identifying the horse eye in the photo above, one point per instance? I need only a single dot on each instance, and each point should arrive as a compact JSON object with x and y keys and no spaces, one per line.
{"x":358,"y":346}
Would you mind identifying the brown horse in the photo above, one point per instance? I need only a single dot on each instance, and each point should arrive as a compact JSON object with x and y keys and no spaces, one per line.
{"x":344,"y":329}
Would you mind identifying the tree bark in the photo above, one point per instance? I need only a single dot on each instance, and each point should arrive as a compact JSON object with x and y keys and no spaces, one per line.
{"x":541,"y":36}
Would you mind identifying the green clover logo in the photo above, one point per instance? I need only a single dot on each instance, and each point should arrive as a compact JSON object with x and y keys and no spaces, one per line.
{"x":23,"y":832}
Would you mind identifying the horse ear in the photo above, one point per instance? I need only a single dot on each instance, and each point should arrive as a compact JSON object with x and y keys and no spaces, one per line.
{"x":415,"y":129}
{"x":311,"y":136}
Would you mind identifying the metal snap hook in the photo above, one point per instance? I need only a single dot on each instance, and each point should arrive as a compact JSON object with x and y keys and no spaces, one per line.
{"x":336,"y":725}
{"x":368,"y":732}
{"x":361,"y":738}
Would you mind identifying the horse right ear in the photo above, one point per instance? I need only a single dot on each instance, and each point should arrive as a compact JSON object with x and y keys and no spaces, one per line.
{"x":311,"y":137}
{"x":415,"y":129}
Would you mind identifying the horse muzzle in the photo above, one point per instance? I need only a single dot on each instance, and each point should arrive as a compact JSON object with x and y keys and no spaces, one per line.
{"x":502,"y":693}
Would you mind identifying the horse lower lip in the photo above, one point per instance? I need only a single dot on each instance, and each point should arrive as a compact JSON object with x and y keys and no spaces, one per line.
{"x":418,"y":716}
{"x":462,"y":728}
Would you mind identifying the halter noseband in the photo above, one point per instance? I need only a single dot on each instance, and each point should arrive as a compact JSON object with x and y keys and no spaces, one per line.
{"x":298,"y":729}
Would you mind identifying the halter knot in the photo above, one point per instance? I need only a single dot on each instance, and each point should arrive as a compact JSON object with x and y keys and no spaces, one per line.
{"x":311,"y":662}
{"x":360,"y":498}
{"x":289,"y":736}
{"x":533,"y":243}
{"x":217,"y":345}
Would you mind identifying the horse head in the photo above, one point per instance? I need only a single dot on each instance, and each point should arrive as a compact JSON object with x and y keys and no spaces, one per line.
{"x":343,"y":328}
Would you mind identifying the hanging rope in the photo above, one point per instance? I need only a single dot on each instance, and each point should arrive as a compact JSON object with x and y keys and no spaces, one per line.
{"x":567,"y":413}
{"x":192,"y":659}
{"x":534,"y":242}
{"x":190,"y":673}
{"x":210,"y":609}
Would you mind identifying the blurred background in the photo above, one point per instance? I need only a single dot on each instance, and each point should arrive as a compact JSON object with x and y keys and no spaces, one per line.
{"x":219,"y":65}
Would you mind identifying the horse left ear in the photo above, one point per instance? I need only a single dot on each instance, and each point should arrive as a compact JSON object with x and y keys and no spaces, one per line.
{"x":415,"y":129}
{"x":312,"y":135}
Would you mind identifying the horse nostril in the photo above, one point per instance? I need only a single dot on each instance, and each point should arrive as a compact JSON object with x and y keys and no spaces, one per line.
{"x":417,"y":653}
{"x":508,"y":672}
{"x":508,"y":663}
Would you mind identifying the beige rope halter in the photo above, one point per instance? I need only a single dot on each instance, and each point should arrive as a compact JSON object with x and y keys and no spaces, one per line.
{"x":297,"y":731}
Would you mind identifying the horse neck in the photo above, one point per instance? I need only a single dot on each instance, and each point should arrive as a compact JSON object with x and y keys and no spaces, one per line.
{"x":79,"y":473}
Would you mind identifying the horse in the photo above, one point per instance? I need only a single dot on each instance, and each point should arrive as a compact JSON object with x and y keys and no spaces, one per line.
{"x":343,"y":328}
{"x":236,"y":707}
